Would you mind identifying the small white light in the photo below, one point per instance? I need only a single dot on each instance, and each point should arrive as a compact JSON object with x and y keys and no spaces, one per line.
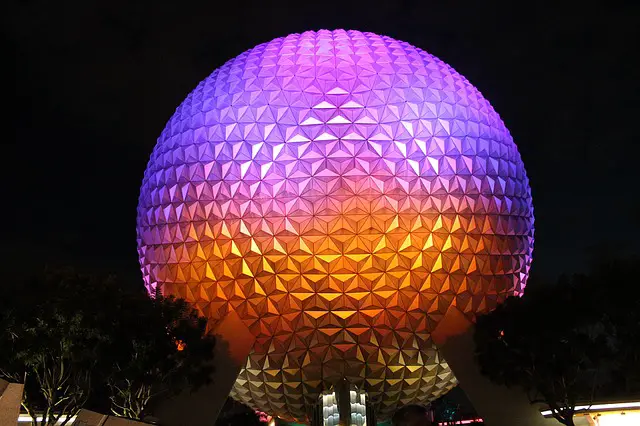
{"x":25,"y":418}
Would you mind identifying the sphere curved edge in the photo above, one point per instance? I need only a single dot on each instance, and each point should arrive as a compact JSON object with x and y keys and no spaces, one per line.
{"x":340,"y":191}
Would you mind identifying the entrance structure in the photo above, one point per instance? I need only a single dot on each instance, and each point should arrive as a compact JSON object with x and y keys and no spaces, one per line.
{"x":339,"y":192}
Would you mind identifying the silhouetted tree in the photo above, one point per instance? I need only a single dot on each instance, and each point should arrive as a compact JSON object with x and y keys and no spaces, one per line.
{"x":613,"y":296}
{"x":565,"y":342}
{"x":161,"y":347}
{"x":52,"y":342}
{"x":66,"y":335}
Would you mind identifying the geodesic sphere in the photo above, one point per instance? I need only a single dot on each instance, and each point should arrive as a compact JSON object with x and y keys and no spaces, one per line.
{"x":340,"y":191}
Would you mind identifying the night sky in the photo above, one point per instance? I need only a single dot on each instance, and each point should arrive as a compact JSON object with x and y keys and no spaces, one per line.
{"x":92,"y":84}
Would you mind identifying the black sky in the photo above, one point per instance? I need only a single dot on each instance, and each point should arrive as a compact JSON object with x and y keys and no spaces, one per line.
{"x":92,"y":83}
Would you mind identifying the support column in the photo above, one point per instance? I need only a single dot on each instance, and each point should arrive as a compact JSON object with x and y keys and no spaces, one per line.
{"x":344,"y":404}
{"x":497,"y":405}
{"x":371,"y":415}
